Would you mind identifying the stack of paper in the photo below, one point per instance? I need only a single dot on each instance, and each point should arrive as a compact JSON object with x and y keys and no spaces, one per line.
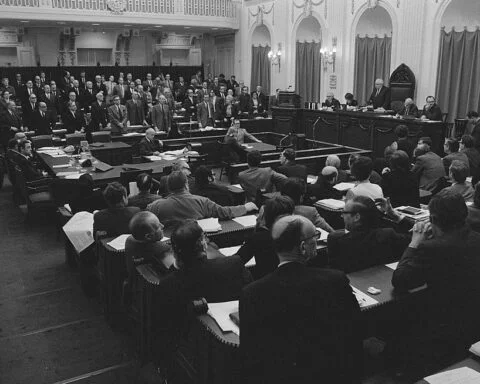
{"x":333,"y":204}
{"x":249,"y":221}
{"x":220,"y":312}
{"x":237,"y":186}
{"x":392,"y":265}
{"x":73,"y":176}
{"x":230,"y":251}
{"x":475,"y":349}
{"x":342,"y":187}
{"x":67,"y":173}
{"x":462,"y":375}
{"x":79,"y":230}
{"x":210,"y":225}
{"x":154,"y":158}
{"x":312,"y":179}
{"x":324,"y":234}
{"x":363,"y":299}
{"x":421,"y":215}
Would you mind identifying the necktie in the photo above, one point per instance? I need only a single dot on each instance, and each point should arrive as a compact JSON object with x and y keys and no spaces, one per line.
{"x":378,"y":91}
{"x":29,"y":91}
{"x":48,"y":96}
{"x":43,"y":114}
{"x":209,"y":111}
{"x":54,"y":93}
{"x":120,"y":112}
{"x":33,"y":106}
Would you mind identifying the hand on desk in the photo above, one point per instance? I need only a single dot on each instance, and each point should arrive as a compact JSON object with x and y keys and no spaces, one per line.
{"x":251,"y":207}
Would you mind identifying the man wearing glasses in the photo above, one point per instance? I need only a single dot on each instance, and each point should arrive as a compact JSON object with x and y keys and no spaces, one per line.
{"x":299,"y":323}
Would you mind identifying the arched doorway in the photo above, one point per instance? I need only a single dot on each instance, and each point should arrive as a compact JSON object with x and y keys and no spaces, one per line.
{"x":308,"y":68}
{"x":261,"y":43}
{"x":373,"y":51}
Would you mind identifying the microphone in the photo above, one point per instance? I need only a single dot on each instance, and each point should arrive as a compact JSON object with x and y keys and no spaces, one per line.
{"x":316,"y":122}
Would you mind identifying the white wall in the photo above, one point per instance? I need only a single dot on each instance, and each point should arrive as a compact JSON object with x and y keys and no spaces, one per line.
{"x":261,"y":36}
{"x":462,"y":13}
{"x":309,"y":30}
{"x":373,"y":22}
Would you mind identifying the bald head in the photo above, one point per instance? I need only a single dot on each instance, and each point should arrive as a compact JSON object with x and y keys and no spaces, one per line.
{"x":378,"y":83}
{"x":181,"y":166}
{"x":145,"y":226}
{"x":150,"y":133}
{"x":294,"y":238}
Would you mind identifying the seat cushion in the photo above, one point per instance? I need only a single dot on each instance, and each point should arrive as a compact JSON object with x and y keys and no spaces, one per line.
{"x":41,"y":197}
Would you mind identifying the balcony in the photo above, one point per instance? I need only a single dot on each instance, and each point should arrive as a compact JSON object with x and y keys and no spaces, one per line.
{"x":221,"y":13}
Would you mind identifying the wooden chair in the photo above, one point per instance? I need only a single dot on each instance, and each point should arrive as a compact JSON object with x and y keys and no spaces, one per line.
{"x":101,"y":137}
{"x":460,"y":126}
{"x":75,"y":138}
{"x":225,"y":159}
{"x":126,"y":177}
{"x":42,"y":141}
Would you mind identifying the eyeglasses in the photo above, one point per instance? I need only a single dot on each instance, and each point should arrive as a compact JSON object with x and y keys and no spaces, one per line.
{"x":316,"y":236}
{"x":348,"y":213}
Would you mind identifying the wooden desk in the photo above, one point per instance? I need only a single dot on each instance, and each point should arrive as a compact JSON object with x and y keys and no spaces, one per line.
{"x":114,"y":153}
{"x":472,"y":362}
{"x":261,"y":147}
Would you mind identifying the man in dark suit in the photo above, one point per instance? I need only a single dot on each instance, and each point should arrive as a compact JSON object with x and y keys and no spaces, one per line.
{"x":144,"y":197}
{"x":331,"y":102}
{"x":10,"y":123}
{"x":428,"y":166}
{"x":114,"y":220}
{"x":99,"y":115}
{"x":232,"y":83}
{"x":5,"y":86}
{"x":190,"y":105}
{"x":431,"y":110}
{"x":88,"y":96}
{"x":28,"y":109}
{"x":98,"y":86}
{"x":162,"y":115}
{"x":205,"y":116}
{"x":409,"y":109}
{"x":180,"y":89}
{"x":149,"y":146}
{"x":26,"y":92}
{"x":50,"y":100}
{"x":23,"y":160}
{"x":82,"y":80}
{"x":380,"y":97}
{"x":117,"y":114}
{"x":135,"y":111}
{"x":37,"y":86}
{"x":244,"y":101}
{"x":42,"y":121}
{"x":443,"y":254}
{"x":299,"y":324}
{"x":255,"y":177}
{"x":130,"y":91}
{"x":18,"y":85}
{"x":74,"y":120}
{"x":288,"y":166}
{"x":120,"y":89}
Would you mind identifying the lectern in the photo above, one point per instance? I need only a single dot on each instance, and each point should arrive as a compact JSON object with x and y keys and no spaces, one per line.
{"x":288,"y":100}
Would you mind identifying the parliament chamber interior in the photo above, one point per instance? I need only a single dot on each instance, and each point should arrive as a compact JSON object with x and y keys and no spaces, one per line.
{"x":173,"y":171}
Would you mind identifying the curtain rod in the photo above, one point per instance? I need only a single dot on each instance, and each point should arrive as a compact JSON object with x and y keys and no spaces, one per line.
{"x":465,"y":28}
{"x":366,"y":35}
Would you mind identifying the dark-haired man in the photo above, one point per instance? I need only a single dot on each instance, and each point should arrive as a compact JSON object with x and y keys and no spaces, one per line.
{"x":361,"y":170}
{"x":144,"y":197}
{"x":428,"y":165}
{"x":451,"y":147}
{"x":431,"y":111}
{"x":467,"y":146}
{"x":289,"y":167}
{"x":24,"y":161}
{"x":299,"y":324}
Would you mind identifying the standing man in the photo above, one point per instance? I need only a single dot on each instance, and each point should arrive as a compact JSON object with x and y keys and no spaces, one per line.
{"x":117,"y":114}
{"x":99,"y":114}
{"x":380,"y":97}
{"x":42,"y":121}
{"x":161,"y":115}
{"x":119,"y":90}
{"x":299,"y":323}
{"x":7,"y":87}
{"x":205,"y":113}
{"x":74,"y":120}
{"x":135,"y":111}
{"x":28,"y":109}
{"x":50,"y":100}
{"x":190,"y":105}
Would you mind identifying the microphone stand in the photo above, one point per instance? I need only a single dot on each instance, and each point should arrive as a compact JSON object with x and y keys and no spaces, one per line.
{"x":313,"y":127}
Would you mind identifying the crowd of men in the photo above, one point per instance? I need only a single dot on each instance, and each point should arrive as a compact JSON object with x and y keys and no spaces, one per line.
{"x":89,"y":105}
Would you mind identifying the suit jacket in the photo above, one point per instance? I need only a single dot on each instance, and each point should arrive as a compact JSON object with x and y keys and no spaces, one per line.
{"x":52,"y":103}
{"x":120,"y":90}
{"x":260,"y":246}
{"x":476,"y":134}
{"x":135,"y":112}
{"x":411,"y":110}
{"x":450,"y":267}
{"x":434,"y":113}
{"x":190,"y":107}
{"x":229,"y":114}
{"x":203,"y":113}
{"x":147,"y":147}
{"x":244,"y":102}
{"x":312,"y":214}
{"x":364,"y":248}
{"x":254,"y":179}
{"x":162,"y":117}
{"x":180,"y":90}
{"x":428,"y":168}
{"x":463,"y":189}
{"x":293,"y":170}
{"x":407,"y":146}
{"x":10,"y":89}
{"x":37,"y":89}
{"x":461,"y":156}
{"x":24,"y":95}
{"x":118,"y":119}
{"x":114,"y":221}
{"x":402,"y":188}
{"x":382,"y":100}
{"x":99,"y":88}
{"x":313,"y":310}
{"x":43,"y":125}
{"x":71,"y":123}
{"x":87,"y":99}
{"x":142,"y":199}
{"x":99,"y":116}
{"x":7,"y":121}
{"x":334,"y":104}
{"x":30,"y":172}
{"x":473,"y":156}
{"x":27,"y":113}
{"x":240,"y":137}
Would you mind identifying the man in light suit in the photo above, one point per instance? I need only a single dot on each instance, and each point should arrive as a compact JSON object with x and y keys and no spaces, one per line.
{"x":117,"y":114}
{"x":161,"y":115}
{"x":205,"y":116}
{"x":255,"y":178}
{"x":239,"y":134}
{"x":119,"y":90}
{"x":380,"y":97}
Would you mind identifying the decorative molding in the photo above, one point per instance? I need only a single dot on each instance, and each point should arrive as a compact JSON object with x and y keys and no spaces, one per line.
{"x":307,"y":7}
{"x":261,"y":11}
{"x":117,"y":7}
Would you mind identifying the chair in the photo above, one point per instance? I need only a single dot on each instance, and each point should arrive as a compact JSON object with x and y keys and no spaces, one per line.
{"x":35,"y":193}
{"x":101,"y":137}
{"x":127,"y":177}
{"x":42,"y":141}
{"x":196,"y":161}
{"x":75,"y":138}
{"x":226,"y":159}
{"x":445,"y":117}
{"x":460,"y":126}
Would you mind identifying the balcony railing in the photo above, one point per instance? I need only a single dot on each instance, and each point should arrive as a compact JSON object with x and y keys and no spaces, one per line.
{"x":208,"y":8}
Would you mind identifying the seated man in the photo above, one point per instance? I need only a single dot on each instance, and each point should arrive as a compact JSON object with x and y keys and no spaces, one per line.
{"x":443,"y":254}
{"x":145,"y":245}
{"x":323,"y":187}
{"x":331,"y":102}
{"x":473,"y":219}
{"x":295,"y":189}
{"x":115,"y":219}
{"x":428,"y":165}
{"x":402,"y":143}
{"x":30,"y":171}
{"x":205,"y":186}
{"x":144,"y":197}
{"x":255,"y":178}
{"x":291,"y":318}
{"x":235,"y":133}
{"x":288,"y":166}
{"x":458,"y":173}
{"x":361,"y":170}
{"x":149,"y":146}
{"x":431,"y":111}
{"x":451,"y":147}
{"x":181,"y":205}
{"x":362,"y":244}
{"x":467,"y":146}
{"x":87,"y":198}
{"x":409,"y":108}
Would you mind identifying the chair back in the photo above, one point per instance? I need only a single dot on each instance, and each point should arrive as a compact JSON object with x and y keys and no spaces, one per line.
{"x":21,"y":183}
{"x":460,"y":126}
{"x":126,"y":177}
{"x":101,"y":137}
{"x":42,"y":141}
{"x":75,"y":138}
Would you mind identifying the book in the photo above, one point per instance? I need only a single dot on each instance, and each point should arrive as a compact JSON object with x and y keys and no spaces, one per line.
{"x":210,"y":225}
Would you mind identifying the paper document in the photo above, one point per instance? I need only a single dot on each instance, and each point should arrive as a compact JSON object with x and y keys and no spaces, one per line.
{"x":311,"y":179}
{"x":133,"y":134}
{"x":79,"y":230}
{"x":462,"y":375}
{"x":421,"y":215}
{"x":61,"y":166}
{"x":46,"y":149}
{"x":73,"y":176}
{"x":324,"y":234}
{"x":220,"y":312}
{"x":363,"y":299}
{"x":475,"y":349}
{"x":67,"y":206}
{"x":392,"y":265}
{"x":331,"y":204}
{"x":119,"y":242}
{"x":237,"y":186}
{"x":66,"y":173}
{"x":169,"y":157}
{"x":132,"y":186}
{"x":154,"y":158}
{"x":229,"y":251}
{"x":210,"y":225}
{"x":342,"y":187}
{"x":249,"y":221}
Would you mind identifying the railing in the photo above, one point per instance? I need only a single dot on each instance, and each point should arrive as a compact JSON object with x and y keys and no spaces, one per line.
{"x":209,"y":8}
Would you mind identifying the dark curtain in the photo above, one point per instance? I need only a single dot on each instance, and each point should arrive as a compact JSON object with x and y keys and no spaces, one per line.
{"x":260,"y":68}
{"x":458,"y":78}
{"x":372,"y":61}
{"x":308,"y":71}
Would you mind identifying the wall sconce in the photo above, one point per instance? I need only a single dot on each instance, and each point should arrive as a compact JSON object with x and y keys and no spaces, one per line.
{"x":275,"y":56}
{"x":329,"y":55}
